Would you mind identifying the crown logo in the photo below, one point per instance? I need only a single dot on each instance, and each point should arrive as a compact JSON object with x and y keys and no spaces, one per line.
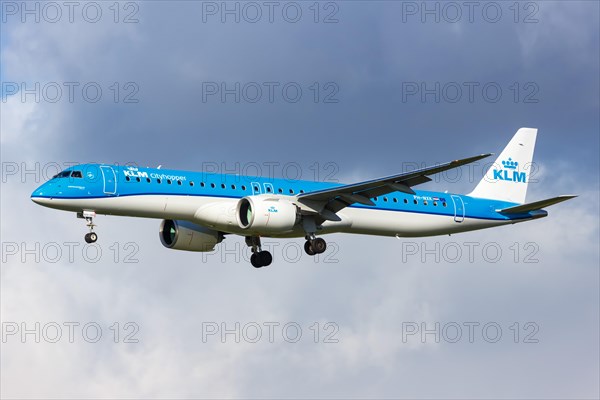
{"x":510,"y":164}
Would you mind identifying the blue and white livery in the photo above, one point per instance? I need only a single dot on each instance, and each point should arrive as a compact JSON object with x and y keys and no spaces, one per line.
{"x":199,"y":209}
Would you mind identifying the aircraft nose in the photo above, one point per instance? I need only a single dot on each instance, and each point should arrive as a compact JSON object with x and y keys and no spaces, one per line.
{"x":39,"y":196}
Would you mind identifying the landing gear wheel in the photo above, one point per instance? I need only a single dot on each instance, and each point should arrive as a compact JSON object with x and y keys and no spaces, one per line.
{"x":91,"y":237}
{"x":318,"y":245}
{"x":265,"y":258}
{"x":261,"y":259}
{"x":255,"y":261}
{"x":308,"y":248}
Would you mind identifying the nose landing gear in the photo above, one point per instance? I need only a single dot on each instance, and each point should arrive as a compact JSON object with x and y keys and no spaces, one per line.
{"x":90,"y":237}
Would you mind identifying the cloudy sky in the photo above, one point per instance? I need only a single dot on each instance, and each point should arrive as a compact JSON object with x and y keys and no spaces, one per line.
{"x":345,"y":90}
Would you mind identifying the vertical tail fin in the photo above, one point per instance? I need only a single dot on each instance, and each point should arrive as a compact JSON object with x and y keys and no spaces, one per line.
{"x":508,"y":177}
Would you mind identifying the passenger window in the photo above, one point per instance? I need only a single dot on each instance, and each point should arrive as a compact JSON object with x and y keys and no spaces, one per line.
{"x":268,"y":189}
{"x":243,"y":187}
{"x":301,"y":191}
{"x":127,"y":178}
{"x":158,"y":180}
{"x":222,"y":186}
{"x":148,"y":180}
{"x":435,"y":203}
{"x":424,"y":202}
{"x":212,"y":185}
{"x":179,"y":182}
{"x":395,"y":200}
{"x":444,"y":204}
{"x":415,"y":201}
{"x":385,"y":199}
{"x":168,"y":181}
{"x":233,"y":187}
{"x":405,"y":201}
{"x":201,"y":184}
{"x":191,"y":183}
{"x":138,"y":179}
{"x":291,"y":191}
{"x":280,"y":190}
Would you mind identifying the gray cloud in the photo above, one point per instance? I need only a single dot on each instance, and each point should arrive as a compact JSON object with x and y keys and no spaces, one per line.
{"x":366,"y":287}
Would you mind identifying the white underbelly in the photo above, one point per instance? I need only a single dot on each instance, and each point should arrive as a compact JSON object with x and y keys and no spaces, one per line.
{"x":219,"y":214}
{"x":410,"y":224}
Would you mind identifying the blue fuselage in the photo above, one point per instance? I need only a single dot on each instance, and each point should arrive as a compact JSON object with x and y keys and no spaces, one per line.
{"x":73,"y":188}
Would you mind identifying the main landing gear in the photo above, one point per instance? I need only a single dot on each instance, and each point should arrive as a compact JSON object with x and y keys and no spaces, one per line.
{"x":90,"y":237}
{"x":259,"y":258}
{"x":314,"y":245}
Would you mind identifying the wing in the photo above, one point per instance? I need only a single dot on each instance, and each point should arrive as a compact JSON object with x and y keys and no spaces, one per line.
{"x":327,"y":202}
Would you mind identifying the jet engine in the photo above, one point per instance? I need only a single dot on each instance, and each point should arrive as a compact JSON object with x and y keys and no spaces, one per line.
{"x":267,"y":214}
{"x":184,"y":235}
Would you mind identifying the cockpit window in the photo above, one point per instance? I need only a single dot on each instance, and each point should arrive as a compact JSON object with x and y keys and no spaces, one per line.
{"x":76,"y":174}
{"x":64,"y":174}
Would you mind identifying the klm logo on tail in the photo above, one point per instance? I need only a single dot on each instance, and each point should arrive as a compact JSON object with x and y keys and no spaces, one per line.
{"x":509,"y":172}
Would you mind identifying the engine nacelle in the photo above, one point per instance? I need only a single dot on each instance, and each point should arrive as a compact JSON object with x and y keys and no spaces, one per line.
{"x":184,"y":235}
{"x":267,"y":214}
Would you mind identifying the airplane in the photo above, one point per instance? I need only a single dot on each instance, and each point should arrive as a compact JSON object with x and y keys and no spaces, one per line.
{"x":198,"y":209}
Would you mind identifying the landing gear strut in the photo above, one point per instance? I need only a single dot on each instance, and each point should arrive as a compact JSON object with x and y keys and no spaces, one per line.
{"x":90,"y":237}
{"x":259,"y":258}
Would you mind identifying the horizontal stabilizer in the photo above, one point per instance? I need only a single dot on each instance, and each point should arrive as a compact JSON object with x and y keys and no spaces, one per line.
{"x":536,"y":205}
